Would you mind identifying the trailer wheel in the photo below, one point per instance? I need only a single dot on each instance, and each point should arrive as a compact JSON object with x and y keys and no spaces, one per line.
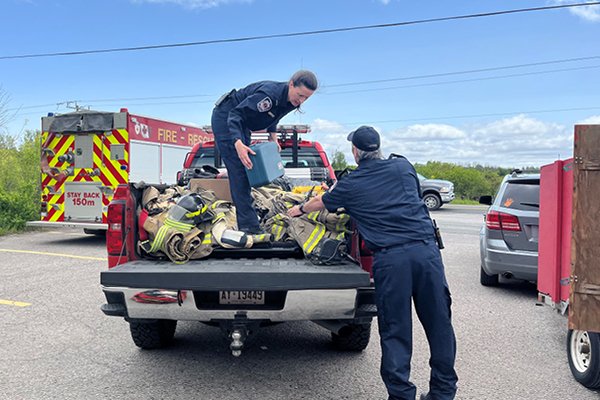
{"x":487,"y":280}
{"x":353,"y":337}
{"x":152,"y":334}
{"x":583,"y":349}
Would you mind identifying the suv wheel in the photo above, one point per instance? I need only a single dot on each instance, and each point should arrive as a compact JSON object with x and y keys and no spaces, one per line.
{"x":487,"y":280}
{"x":432,"y":201}
{"x":152,"y":334}
{"x":583,"y":349}
{"x":353,"y":337}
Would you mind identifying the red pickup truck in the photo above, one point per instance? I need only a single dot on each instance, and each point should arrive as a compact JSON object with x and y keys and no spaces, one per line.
{"x":238,"y":290}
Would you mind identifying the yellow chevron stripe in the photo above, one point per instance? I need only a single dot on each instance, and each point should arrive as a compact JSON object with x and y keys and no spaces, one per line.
{"x":116,"y":165}
{"x":59,"y":151}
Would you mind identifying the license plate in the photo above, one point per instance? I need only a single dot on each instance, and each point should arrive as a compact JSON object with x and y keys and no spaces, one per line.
{"x":241,"y":297}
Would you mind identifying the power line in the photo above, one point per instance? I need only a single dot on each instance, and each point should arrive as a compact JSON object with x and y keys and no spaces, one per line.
{"x":306,"y":33}
{"x":469,"y":71}
{"x":489,"y":78}
{"x":558,"y":61}
{"x":471,"y":116}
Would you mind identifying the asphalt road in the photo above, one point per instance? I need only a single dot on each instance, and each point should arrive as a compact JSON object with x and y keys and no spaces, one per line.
{"x":55,"y":342}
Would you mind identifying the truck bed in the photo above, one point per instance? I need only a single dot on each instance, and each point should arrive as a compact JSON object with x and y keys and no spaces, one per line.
{"x":236,"y":274}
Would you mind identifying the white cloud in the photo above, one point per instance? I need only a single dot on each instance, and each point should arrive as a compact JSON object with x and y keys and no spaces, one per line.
{"x":589,"y":13}
{"x":385,"y":2}
{"x":511,"y":142}
{"x":595,"y":119}
{"x":192,"y":4}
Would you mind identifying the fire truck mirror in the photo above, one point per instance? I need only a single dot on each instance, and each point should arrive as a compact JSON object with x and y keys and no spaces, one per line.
{"x":117,"y":151}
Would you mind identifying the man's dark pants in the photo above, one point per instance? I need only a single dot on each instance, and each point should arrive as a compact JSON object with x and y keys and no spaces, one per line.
{"x":240,"y":189}
{"x":414,"y":270}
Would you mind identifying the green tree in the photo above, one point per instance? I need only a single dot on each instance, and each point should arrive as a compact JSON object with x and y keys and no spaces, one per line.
{"x":19,"y":180}
{"x":339,"y":160}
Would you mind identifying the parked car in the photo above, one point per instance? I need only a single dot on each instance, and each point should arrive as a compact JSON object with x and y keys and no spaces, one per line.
{"x":509,"y":235}
{"x":436,"y":192}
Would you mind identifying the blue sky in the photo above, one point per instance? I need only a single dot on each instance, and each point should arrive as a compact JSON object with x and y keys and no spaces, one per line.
{"x":486,"y":117}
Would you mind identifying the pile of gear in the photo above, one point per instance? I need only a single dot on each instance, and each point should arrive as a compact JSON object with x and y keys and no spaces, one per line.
{"x":184,"y":225}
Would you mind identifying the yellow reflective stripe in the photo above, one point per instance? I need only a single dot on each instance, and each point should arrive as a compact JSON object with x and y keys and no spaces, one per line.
{"x":313,"y":215}
{"x":218,"y":217}
{"x":317,"y":239}
{"x":158,"y":240}
{"x":342,"y":222}
{"x":217,"y":204}
{"x":193,"y":214}
{"x":279,"y":232}
{"x":319,"y":231}
{"x":340,"y":236}
{"x":207,"y":239}
{"x":179,"y":225}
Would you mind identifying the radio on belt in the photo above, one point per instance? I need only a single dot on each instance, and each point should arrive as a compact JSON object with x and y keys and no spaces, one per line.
{"x":266,"y":164}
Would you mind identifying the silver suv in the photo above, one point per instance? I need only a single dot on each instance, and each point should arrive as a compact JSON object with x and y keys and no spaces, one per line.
{"x":509,"y":236}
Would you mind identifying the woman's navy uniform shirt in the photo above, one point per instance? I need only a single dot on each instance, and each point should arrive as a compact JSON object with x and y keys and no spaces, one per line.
{"x":258,"y":106}
{"x":383,"y":197}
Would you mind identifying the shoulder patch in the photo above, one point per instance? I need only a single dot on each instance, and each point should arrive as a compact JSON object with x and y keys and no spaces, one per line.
{"x":265,"y":104}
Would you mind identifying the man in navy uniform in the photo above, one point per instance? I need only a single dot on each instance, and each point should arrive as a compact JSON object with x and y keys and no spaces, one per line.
{"x":383,"y":197}
{"x":256,"y":107}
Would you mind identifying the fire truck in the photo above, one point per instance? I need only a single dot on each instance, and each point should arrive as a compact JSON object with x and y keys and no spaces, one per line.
{"x":86,"y":154}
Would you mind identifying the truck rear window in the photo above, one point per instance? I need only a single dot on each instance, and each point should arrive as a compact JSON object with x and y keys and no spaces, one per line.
{"x":307,"y":157}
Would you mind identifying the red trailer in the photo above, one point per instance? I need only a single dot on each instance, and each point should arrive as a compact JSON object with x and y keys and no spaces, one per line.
{"x":569,"y":250}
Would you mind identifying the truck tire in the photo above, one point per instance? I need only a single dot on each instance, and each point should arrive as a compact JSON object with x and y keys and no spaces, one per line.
{"x":487,"y":280}
{"x":353,"y":337}
{"x":152,"y":334}
{"x":432,"y":201}
{"x":583,"y":349}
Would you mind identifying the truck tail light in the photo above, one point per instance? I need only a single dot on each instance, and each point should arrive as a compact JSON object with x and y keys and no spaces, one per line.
{"x":495,"y":220}
{"x":115,"y":236}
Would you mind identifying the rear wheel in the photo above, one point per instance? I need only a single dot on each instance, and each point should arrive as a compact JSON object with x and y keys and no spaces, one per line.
{"x":353,"y":337}
{"x":583,"y":349}
{"x":432,"y":201}
{"x":487,"y":280}
{"x":152,"y":334}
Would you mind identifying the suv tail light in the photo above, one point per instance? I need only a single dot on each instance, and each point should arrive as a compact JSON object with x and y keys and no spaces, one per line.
{"x":115,"y":237}
{"x":502,"y":221}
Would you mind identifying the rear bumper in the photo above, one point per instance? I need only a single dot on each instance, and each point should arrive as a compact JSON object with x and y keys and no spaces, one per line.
{"x":59,"y":225}
{"x":499,"y":259}
{"x":299,"y":305}
{"x":300,"y":290}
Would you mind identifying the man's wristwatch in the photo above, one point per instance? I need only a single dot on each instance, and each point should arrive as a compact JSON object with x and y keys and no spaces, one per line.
{"x":301,"y":208}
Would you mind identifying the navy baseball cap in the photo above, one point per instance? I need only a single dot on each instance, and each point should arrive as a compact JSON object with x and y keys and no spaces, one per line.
{"x":365,"y":138}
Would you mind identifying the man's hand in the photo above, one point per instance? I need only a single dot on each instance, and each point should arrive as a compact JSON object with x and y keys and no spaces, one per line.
{"x":294,"y":212}
{"x":242,"y":152}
